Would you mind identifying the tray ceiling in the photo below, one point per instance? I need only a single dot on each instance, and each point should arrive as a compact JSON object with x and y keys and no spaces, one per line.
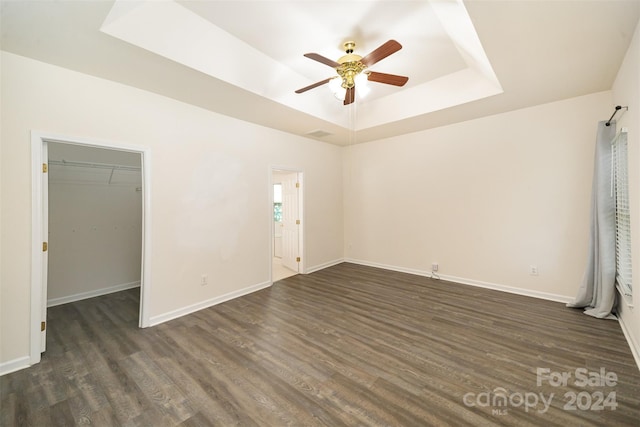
{"x":245,"y":58}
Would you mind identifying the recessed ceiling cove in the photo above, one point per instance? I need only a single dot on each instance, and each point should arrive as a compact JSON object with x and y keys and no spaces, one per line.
{"x":262,"y":51}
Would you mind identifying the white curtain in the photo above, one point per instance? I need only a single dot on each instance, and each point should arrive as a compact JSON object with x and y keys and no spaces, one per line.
{"x":597,"y":294}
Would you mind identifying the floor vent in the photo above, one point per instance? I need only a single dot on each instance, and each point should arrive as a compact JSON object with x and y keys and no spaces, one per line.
{"x":318,"y":133}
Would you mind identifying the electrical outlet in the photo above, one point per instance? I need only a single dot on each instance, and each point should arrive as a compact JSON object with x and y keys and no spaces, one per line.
{"x":533,"y":270}
{"x":434,"y":266}
{"x":204,"y":280}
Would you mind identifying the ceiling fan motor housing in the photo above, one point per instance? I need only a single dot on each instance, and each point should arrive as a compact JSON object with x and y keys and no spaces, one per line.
{"x":348,"y":72}
{"x":350,"y":65}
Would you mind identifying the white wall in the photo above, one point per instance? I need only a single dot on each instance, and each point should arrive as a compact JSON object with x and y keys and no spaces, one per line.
{"x":626,"y":92}
{"x":210,"y":190}
{"x":485,"y":198}
{"x":95,"y":226}
{"x":95,"y":240}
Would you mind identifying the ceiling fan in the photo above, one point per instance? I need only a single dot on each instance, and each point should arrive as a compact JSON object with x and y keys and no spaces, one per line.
{"x":351,"y":66}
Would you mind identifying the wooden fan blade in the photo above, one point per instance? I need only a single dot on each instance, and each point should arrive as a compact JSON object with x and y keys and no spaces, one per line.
{"x":350,"y":96}
{"x":322,"y":59}
{"x":390,"y":79}
{"x":382,"y":52}
{"x":304,"y":89}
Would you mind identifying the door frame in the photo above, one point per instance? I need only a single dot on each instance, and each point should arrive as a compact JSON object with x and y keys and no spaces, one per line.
{"x":301,"y":247}
{"x":39,"y":156}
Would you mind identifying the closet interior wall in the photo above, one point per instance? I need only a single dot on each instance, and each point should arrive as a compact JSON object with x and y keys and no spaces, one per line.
{"x":95,"y":222}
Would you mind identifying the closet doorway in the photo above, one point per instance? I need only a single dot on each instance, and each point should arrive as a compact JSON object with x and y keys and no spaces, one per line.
{"x":90,"y":207}
{"x":286,"y":223}
{"x":95,"y":222}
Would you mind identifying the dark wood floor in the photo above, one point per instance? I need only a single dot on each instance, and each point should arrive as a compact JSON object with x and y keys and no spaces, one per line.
{"x":349,"y":345}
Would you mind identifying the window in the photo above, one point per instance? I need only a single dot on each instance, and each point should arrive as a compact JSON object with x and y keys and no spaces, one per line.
{"x":623,"y":217}
{"x":277,"y":202}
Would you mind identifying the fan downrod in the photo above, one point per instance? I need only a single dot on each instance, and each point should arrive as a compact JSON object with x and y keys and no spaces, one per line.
{"x":349,"y":46}
{"x":350,"y":56}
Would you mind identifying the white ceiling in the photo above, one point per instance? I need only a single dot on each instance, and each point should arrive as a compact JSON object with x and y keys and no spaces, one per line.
{"x":245,"y":58}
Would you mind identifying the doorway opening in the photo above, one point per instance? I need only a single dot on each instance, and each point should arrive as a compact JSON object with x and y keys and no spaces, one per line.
{"x":90,"y":211}
{"x":286,"y":224}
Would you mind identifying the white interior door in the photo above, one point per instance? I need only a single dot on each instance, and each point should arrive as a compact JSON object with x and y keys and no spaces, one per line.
{"x":290,"y":222}
{"x":45,"y":246}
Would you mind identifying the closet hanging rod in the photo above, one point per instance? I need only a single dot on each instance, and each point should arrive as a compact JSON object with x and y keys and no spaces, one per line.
{"x":94,"y":165}
{"x":618,"y":107}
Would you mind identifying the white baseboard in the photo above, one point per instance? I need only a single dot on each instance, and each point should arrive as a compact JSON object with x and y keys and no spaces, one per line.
{"x":90,"y":294}
{"x":14,"y":365}
{"x":510,"y":289}
{"x":471,"y":282}
{"x":324,"y":265}
{"x":633,"y":345}
{"x":156,"y":320}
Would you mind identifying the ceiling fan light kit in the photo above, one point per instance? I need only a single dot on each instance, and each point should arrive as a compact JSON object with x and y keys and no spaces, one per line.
{"x":351,"y":66}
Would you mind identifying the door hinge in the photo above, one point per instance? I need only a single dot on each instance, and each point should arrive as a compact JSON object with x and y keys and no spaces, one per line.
{"x":45,"y":246}
{"x":45,"y":168}
{"x":297,"y":259}
{"x":297,"y":222}
{"x":297,"y":185}
{"x":43,"y":326}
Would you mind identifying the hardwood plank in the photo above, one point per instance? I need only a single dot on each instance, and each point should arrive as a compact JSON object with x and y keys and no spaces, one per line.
{"x":61,"y":415}
{"x":212,"y":406}
{"x":80,"y":410}
{"x":197,"y":420}
{"x":167,"y":399}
